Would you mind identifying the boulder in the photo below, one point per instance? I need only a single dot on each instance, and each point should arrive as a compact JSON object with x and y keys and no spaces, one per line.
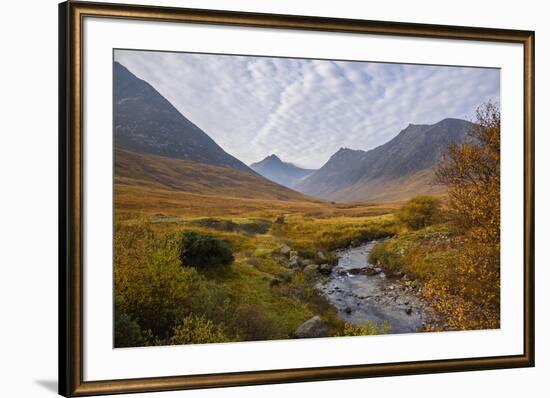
{"x":284,"y":249}
{"x":305,"y":262}
{"x":294,"y":262}
{"x":293,"y":259}
{"x":321,"y":256}
{"x":342,"y":272}
{"x":314,"y":327}
{"x":311,"y":269}
{"x":326,"y":269}
{"x":370,"y":270}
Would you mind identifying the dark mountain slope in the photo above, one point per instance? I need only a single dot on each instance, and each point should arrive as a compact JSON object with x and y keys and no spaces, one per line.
{"x":144,"y":121}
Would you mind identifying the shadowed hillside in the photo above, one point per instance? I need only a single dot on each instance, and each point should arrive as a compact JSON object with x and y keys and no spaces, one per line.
{"x":132,"y":168}
{"x":144,"y":121}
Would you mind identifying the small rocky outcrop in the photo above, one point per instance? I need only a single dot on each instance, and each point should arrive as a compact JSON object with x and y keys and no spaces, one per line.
{"x":311,"y":269}
{"x":313,"y":327}
{"x":326,"y":269}
{"x":371,"y":270}
{"x":284,"y":250}
{"x":304,"y":262}
{"x":293,"y":259}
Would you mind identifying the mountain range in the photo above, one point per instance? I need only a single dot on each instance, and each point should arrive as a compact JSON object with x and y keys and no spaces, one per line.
{"x":400,"y":168}
{"x":284,"y":173}
{"x":157,"y":146}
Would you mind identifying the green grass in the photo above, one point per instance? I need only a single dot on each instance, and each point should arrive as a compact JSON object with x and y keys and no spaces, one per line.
{"x":421,"y":254}
{"x":309,"y":234}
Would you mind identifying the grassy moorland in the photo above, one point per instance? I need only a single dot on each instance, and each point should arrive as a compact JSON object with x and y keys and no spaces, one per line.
{"x":165,"y":298}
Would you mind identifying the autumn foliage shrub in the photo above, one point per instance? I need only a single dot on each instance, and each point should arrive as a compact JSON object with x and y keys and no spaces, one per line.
{"x":155,"y":294}
{"x":469,"y":298}
{"x":420,"y":212}
{"x":198,"y":330}
{"x":368,"y":328}
{"x":254,"y":325}
{"x":127,"y":330}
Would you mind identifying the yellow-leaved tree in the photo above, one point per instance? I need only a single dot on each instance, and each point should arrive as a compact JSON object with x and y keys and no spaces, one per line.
{"x":469,"y":298}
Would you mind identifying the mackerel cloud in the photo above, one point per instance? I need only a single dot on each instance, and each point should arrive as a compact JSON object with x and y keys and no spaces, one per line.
{"x":305,"y":110}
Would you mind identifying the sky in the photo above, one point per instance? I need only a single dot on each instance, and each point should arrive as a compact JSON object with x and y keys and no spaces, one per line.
{"x":305,"y":110}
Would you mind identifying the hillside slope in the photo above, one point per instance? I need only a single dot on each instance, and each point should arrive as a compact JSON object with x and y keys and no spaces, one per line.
{"x":157,"y":172}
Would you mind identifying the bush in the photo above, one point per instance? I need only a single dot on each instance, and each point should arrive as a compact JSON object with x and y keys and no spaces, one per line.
{"x":252,"y":324}
{"x":158,"y":292}
{"x":470,"y":297}
{"x":127,"y":331}
{"x":202,"y":250}
{"x":388,"y":255}
{"x":419,"y":212}
{"x":471,"y":172}
{"x":198,"y":330}
{"x":369,"y":328}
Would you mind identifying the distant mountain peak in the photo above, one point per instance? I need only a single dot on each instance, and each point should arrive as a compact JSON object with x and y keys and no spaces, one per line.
{"x":284,"y":173}
{"x":273,"y":157}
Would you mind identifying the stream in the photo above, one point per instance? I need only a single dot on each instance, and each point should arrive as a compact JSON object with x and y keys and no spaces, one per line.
{"x":361,"y":293}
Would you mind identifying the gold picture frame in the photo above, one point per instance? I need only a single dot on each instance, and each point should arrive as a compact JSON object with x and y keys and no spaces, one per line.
{"x":71,"y":238}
